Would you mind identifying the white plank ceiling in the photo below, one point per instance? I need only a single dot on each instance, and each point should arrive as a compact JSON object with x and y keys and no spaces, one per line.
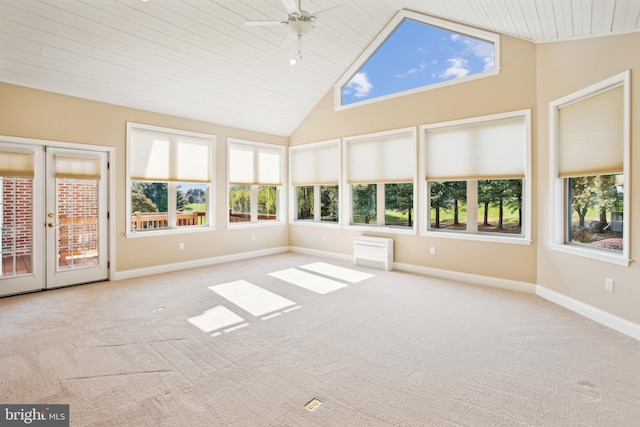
{"x":196,"y":58}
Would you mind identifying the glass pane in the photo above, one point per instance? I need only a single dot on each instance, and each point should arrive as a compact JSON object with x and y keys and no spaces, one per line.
{"x":239,"y":203}
{"x":191,"y":204}
{"x":448,"y":200}
{"x":267,"y":203}
{"x":596,"y":206}
{"x":149,"y":205}
{"x":417,"y":55}
{"x":364,"y":197}
{"x":305,"y":206}
{"x":77,"y":223}
{"x":500,"y":206}
{"x":16,"y":214}
{"x":329,"y":197}
{"x":398,"y":205}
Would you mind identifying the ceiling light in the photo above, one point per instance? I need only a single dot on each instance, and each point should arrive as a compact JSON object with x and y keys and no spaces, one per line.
{"x":293,"y":61}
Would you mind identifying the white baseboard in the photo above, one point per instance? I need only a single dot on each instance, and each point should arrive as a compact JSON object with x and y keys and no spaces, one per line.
{"x":612,"y":321}
{"x":511,"y":285}
{"x":492,"y":282}
{"x":129,"y":274}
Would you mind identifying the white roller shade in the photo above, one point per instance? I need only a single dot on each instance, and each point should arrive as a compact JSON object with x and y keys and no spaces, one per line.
{"x":77,"y":167}
{"x":17,"y":164}
{"x":318,"y":164}
{"x":388,"y":158}
{"x":160,"y":156}
{"x":494,"y":149}
{"x":590,"y":133}
{"x":255,"y":164}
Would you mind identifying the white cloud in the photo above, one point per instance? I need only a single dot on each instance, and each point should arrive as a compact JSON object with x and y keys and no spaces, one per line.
{"x":458,"y":67}
{"x":419,"y":68}
{"x":482,"y":50}
{"x":454,"y":37}
{"x":361,"y":84}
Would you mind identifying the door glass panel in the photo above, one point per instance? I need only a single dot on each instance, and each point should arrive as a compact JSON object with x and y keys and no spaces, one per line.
{"x":17,"y":226}
{"x":77,"y":223}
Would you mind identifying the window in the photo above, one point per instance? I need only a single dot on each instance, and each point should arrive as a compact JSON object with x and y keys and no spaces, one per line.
{"x":169,"y":179}
{"x":255,"y":174}
{"x":380,"y":170}
{"x":17,"y":172}
{"x":476,"y":174}
{"x":315,"y":174}
{"x":415,"y":52}
{"x":590,"y":164}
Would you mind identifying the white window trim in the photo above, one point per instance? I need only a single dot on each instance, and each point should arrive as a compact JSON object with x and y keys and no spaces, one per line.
{"x":520,"y":239}
{"x":388,"y":30}
{"x":316,"y":222}
{"x":282,"y":217}
{"x":210,"y":197}
{"x":346,"y":213}
{"x":557,"y":205}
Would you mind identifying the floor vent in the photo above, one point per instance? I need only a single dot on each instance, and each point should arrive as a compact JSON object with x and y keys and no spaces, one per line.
{"x":312,"y":404}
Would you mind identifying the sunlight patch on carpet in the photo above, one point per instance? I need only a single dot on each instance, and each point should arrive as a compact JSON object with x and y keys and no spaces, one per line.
{"x":251,"y":298}
{"x":215,"y":318}
{"x":340,"y":273}
{"x":311,"y":282}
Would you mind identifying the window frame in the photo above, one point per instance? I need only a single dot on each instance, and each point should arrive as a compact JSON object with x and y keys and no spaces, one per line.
{"x":281,"y":192}
{"x":388,"y":30}
{"x":171,"y":186}
{"x":557,"y":185}
{"x":346,"y":212}
{"x":293,"y":193}
{"x":471,"y":233}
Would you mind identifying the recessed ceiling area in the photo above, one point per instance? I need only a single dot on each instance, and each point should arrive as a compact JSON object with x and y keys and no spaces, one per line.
{"x":197,"y":59}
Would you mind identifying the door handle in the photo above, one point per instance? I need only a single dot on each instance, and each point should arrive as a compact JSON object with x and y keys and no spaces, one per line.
{"x":52,"y":225}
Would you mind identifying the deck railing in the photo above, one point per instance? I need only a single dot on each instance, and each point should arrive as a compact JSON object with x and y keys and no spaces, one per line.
{"x":153,"y":220}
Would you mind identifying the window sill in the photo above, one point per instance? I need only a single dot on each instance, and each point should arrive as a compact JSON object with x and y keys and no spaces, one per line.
{"x":594,"y":254}
{"x":168,"y":231}
{"x":387,"y":230}
{"x":511,"y":240}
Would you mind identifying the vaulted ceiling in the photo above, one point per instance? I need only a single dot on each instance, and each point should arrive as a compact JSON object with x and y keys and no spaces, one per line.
{"x":197,"y":59}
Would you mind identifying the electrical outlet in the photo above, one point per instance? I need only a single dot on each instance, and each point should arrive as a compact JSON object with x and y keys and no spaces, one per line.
{"x":181,"y":246}
{"x":608,"y":285}
{"x":432,"y":250}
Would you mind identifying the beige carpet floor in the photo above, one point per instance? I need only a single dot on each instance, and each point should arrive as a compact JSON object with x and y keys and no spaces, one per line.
{"x":250,"y":343}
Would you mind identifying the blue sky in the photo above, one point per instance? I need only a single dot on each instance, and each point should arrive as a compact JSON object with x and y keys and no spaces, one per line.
{"x":415,"y":55}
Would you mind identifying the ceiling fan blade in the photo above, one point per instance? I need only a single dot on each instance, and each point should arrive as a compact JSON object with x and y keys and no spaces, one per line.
{"x":263,"y":23}
{"x":323,"y":14}
{"x":291,"y":6}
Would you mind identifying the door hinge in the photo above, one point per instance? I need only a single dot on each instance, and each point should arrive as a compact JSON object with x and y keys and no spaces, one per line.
{"x":108,"y":215}
{"x":108,"y":264}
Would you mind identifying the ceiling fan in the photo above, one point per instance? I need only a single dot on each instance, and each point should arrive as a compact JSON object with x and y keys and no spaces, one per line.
{"x":299,"y":22}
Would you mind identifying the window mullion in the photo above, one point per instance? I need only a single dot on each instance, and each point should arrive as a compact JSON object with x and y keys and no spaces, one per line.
{"x":317,"y":208}
{"x":472,"y":206}
{"x":380,"y":209}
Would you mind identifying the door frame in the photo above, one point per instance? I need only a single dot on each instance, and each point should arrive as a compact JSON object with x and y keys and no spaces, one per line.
{"x":110,"y":189}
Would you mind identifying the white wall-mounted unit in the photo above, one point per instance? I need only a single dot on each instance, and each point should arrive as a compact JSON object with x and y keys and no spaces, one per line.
{"x":376,"y":252}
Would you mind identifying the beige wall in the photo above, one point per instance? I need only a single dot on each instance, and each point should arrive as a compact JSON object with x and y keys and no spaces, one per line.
{"x":36,"y":114}
{"x":564,"y":68}
{"x":513,"y":89}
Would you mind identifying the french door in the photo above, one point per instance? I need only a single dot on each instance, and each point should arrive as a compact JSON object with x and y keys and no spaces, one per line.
{"x":54,"y":217}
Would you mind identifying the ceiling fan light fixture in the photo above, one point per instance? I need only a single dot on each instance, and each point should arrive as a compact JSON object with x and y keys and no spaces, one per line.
{"x":293,"y":61}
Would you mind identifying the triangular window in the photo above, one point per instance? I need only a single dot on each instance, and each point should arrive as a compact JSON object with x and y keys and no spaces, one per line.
{"x":415,"y":52}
